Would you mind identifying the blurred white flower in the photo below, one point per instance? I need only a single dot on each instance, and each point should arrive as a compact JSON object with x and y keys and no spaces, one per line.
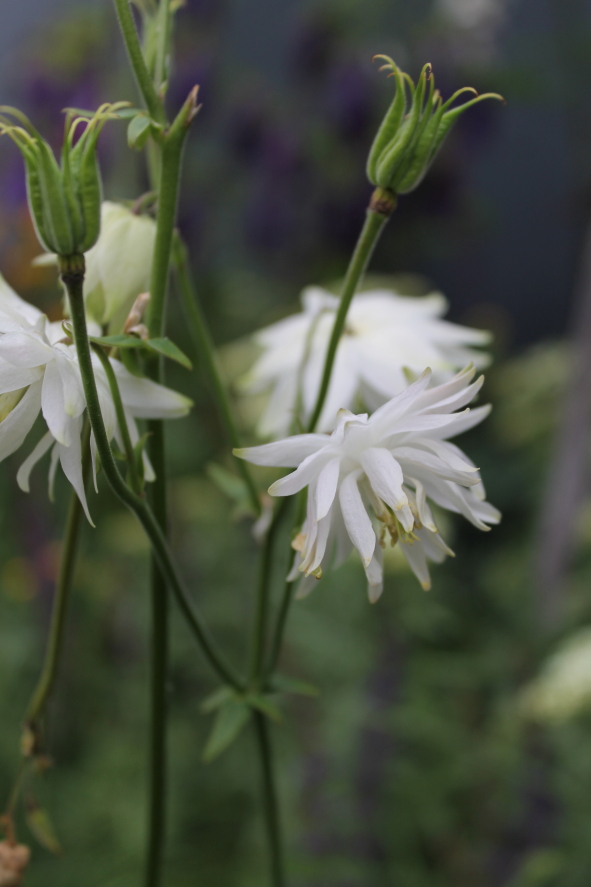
{"x":388,"y":341}
{"x":386,"y":465}
{"x":563,"y":688}
{"x":118,"y":266}
{"x":40,"y":373}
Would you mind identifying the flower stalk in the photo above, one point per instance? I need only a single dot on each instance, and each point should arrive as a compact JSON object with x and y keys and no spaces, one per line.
{"x":137,"y":61}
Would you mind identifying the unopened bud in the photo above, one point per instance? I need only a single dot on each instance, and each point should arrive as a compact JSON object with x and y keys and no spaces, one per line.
{"x":14,"y":860}
{"x":136,"y":315}
{"x":118,"y":266}
{"x":411,"y":134}
{"x":64,"y":199}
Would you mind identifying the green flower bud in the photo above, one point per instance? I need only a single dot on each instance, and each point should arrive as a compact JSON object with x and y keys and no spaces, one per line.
{"x":64,"y":199}
{"x":410,"y":135}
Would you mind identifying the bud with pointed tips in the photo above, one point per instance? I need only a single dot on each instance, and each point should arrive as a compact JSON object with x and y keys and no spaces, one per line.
{"x":410,"y":135}
{"x":64,"y":199}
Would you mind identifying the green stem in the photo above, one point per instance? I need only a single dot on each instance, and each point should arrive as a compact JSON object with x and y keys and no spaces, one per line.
{"x":206,"y":351}
{"x":277,"y":641}
{"x":374,"y":224}
{"x":136,"y":484}
{"x":271,"y":807}
{"x":138,"y":64}
{"x":62,"y":594}
{"x":168,"y":188}
{"x":72,"y":274}
{"x":164,"y":29}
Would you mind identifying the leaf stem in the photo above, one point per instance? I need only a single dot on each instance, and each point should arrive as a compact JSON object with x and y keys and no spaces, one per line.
{"x":271,"y":807}
{"x":72,"y":275}
{"x":137,"y":61}
{"x":204,"y":346}
{"x":62,"y":595}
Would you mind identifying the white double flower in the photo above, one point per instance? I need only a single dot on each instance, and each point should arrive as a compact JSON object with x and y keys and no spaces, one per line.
{"x":369,"y":481}
{"x":40,"y":373}
{"x":387,"y":342}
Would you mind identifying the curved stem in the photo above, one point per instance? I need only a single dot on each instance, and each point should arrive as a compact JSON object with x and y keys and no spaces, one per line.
{"x":271,"y":809}
{"x":121,"y":419}
{"x":204,"y":346}
{"x":138,"y":64}
{"x":374,"y":224}
{"x":62,"y":594}
{"x":72,"y":276}
{"x":277,"y":641}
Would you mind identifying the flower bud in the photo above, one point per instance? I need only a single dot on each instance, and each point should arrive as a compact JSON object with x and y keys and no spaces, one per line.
{"x":410,"y":135}
{"x":64,"y":199}
{"x":118,"y":266}
{"x":14,"y":860}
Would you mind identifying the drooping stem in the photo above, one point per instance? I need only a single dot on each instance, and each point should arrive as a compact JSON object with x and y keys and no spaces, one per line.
{"x":269,"y":793}
{"x":62,"y":595}
{"x":121,"y":419}
{"x":204,"y":346}
{"x":378,"y":213}
{"x":138,"y":64}
{"x":72,"y":273}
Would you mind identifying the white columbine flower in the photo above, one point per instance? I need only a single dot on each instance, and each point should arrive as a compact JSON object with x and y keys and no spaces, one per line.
{"x":387,"y":339}
{"x":563,"y":688}
{"x":369,"y":481}
{"x":40,"y":373}
{"x":118,"y":266}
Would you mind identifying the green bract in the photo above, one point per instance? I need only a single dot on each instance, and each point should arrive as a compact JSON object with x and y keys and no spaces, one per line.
{"x":410,"y":136}
{"x":65,"y":200}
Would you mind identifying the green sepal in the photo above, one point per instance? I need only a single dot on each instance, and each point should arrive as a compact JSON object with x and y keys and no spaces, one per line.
{"x":232,"y":715}
{"x":393,"y":157}
{"x":390,"y":124}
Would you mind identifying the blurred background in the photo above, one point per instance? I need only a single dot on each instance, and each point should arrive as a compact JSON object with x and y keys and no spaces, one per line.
{"x":419,"y":764}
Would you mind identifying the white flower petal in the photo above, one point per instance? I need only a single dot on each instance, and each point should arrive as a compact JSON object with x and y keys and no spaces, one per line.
{"x":15,"y":427}
{"x":12,"y":378}
{"x":357,"y":522}
{"x":417,"y":560}
{"x":71,"y":462}
{"x":375,"y":576}
{"x":24,"y":472}
{"x":326,"y":487}
{"x":146,"y":399}
{"x":24,"y":349}
{"x":287,"y":453}
{"x":53,"y":405}
{"x":385,"y":476}
{"x":301,"y":477}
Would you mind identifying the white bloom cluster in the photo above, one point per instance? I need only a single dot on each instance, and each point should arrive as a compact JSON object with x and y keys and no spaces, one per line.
{"x":40,"y":373}
{"x":369,"y":481}
{"x":388,"y":341}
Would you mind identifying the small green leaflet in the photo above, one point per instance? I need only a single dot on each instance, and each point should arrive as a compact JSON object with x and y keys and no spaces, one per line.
{"x":284,"y":684}
{"x":161,"y":346}
{"x":42,"y":828}
{"x":230,"y":719}
{"x":138,"y":131}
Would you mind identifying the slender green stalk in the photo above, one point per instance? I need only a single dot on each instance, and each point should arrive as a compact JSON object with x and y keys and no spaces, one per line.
{"x":138,"y":64}
{"x":277,"y":642}
{"x":168,"y":188}
{"x":374,"y":224}
{"x":62,"y":595}
{"x":72,"y":274}
{"x":261,"y":619}
{"x":271,"y":808}
{"x":206,"y":351}
{"x":136,"y":484}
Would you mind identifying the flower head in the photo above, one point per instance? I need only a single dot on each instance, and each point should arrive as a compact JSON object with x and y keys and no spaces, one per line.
{"x":369,"y":481}
{"x":39,"y":372}
{"x":411,"y":135}
{"x":388,"y":340}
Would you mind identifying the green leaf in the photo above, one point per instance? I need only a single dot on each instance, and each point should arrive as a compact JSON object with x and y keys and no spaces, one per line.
{"x":290,"y":685}
{"x":168,"y":349}
{"x":217,"y":698}
{"x":265,"y":706}
{"x":229,"y":483}
{"x":138,"y":131}
{"x":121,"y":340}
{"x":42,"y":828}
{"x":130,"y":361}
{"x":229,"y":722}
